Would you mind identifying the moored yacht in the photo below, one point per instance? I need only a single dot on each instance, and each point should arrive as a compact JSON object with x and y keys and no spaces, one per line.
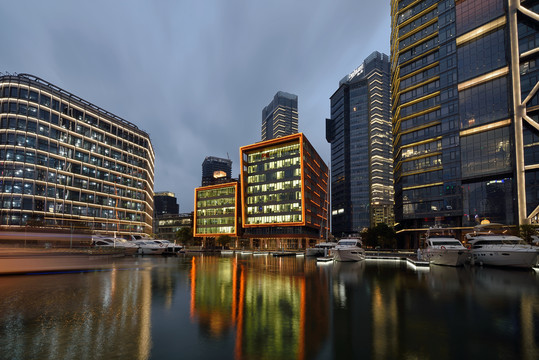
{"x":110,"y":242}
{"x":491,"y":244}
{"x":442,"y":248}
{"x":171,"y":248}
{"x":320,"y":249}
{"x":146,"y":245}
{"x":348,"y":249}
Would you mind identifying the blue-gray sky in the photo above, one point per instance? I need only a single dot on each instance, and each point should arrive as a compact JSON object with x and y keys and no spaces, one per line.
{"x":195,"y":74}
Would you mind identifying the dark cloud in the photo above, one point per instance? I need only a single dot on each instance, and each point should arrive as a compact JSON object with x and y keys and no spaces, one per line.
{"x":195,"y":74}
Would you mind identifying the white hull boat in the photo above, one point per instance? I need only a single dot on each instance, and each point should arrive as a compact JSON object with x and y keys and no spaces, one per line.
{"x":512,"y":257}
{"x":447,"y":257}
{"x":442,"y":248}
{"x":107,"y":242}
{"x":348,"y":250}
{"x":498,"y":248}
{"x":148,"y":247}
{"x":321,"y":249}
{"x":170,"y":247}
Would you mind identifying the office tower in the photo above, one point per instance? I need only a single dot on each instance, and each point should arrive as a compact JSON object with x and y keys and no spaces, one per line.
{"x":216,"y":170}
{"x":217,"y":210}
{"x":359,"y":131}
{"x":284,"y":185}
{"x":280,"y":117}
{"x":67,"y":162}
{"x":165,"y":202}
{"x":465,"y":112}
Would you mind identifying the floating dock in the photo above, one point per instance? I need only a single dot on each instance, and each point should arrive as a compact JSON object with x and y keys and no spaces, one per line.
{"x":283,"y":253}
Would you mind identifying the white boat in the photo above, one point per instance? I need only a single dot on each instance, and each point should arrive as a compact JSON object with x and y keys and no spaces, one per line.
{"x":491,"y":244}
{"x":320,"y":249}
{"x":148,"y":247}
{"x":170,"y":247}
{"x":442,"y":248}
{"x":108,"y":242}
{"x":349,"y":249}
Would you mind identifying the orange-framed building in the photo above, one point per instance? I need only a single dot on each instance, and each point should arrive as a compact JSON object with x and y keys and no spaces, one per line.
{"x":217,"y":211}
{"x":284,"y":188}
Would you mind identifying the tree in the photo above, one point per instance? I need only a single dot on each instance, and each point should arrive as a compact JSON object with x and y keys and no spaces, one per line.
{"x":184,"y":235}
{"x":380,"y":235}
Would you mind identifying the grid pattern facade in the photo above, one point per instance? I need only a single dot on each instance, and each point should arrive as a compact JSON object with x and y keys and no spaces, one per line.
{"x":359,"y":131}
{"x":280,"y":117}
{"x":216,"y":210}
{"x":464,"y":104}
{"x":284,"y":188}
{"x":65,"y":160}
{"x":169,"y":224}
{"x":425,"y":112}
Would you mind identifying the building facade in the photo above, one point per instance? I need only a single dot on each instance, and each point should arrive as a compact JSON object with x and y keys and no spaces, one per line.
{"x":217,"y":211}
{"x":280,"y":117}
{"x":284,"y":187}
{"x":167,"y":225}
{"x":359,"y":131}
{"x":66,"y":161}
{"x":465,"y":112}
{"x":216,"y":170}
{"x":165,"y":202}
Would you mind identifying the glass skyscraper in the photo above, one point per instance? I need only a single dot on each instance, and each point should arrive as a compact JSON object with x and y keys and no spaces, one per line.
{"x":359,"y":131}
{"x":65,"y":161}
{"x":216,"y":170}
{"x":465,"y":112}
{"x":165,"y":203}
{"x":280,"y":117}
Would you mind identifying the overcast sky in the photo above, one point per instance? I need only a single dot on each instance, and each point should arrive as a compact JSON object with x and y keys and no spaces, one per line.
{"x":195,"y":74}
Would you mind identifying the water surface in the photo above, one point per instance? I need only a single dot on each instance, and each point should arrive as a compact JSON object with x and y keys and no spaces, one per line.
{"x":264,"y":307}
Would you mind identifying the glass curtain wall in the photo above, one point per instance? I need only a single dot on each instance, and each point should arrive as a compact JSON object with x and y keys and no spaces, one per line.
{"x":63,"y":159}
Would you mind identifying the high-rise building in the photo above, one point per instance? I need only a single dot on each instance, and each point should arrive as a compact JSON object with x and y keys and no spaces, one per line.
{"x":359,"y":131}
{"x":165,"y":202}
{"x":284,"y":186}
{"x":465,"y":112}
{"x":280,"y":117}
{"x":67,"y":162}
{"x":216,"y":170}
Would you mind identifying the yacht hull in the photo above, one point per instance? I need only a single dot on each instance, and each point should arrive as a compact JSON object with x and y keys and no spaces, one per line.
{"x":348,"y":254}
{"x":527,"y":258}
{"x":446,"y":257}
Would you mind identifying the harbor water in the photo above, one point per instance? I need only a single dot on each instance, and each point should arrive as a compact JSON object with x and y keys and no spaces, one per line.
{"x":245,"y":306}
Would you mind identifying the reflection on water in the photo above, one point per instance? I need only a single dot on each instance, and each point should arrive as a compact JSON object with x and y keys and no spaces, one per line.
{"x":264,"y":307}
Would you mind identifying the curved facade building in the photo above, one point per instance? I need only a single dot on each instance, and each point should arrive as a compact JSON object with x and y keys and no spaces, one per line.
{"x":67,"y":162}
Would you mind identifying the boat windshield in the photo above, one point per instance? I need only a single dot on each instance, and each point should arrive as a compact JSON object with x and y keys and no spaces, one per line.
{"x":501,"y":242}
{"x":348,"y":242}
{"x":324,"y":245}
{"x":446,"y":242}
